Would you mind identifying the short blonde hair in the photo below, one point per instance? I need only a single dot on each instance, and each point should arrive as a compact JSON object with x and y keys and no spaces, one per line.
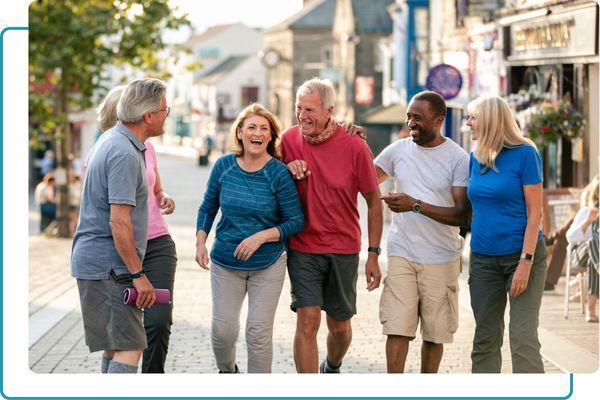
{"x":107,"y":110}
{"x":256,"y":109}
{"x":496,"y":129}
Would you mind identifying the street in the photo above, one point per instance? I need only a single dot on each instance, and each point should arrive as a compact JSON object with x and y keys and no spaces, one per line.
{"x":56,"y":334}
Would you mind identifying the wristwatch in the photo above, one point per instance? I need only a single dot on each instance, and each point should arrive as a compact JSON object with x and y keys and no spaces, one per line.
{"x":416,"y":208}
{"x":376,"y":250}
{"x":527,"y":257}
{"x":138,"y":274}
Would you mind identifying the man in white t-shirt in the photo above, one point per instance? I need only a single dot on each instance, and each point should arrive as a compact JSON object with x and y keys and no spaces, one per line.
{"x":431,"y":174}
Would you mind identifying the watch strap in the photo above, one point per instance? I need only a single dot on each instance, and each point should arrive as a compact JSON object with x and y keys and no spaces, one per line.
{"x":376,"y":250}
{"x":138,"y":274}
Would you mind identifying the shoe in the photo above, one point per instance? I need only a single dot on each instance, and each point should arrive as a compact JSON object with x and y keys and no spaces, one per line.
{"x":325,"y":368}
{"x":591,"y":318}
{"x":237,"y":371}
{"x":549,"y":287}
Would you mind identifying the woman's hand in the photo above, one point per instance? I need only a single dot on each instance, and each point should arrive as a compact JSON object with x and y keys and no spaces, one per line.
{"x":592,"y":216}
{"x":202,"y":255}
{"x":298,"y":169}
{"x":355,"y":130}
{"x":165,"y":203}
{"x":248,"y":246}
{"x":520,"y":278}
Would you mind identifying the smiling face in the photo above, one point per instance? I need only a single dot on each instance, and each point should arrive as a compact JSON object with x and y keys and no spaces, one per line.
{"x":311,"y":116}
{"x":472,"y":123}
{"x":255,"y":134}
{"x":423,"y":124}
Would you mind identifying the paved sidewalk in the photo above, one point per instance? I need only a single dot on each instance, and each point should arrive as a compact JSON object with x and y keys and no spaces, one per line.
{"x":58,"y":345}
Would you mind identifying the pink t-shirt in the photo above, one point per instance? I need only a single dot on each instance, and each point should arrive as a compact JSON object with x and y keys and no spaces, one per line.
{"x":341,"y":167}
{"x":156,"y":221}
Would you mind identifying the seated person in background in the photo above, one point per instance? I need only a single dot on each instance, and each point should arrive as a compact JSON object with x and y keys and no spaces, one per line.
{"x":583,"y":235}
{"x":558,"y":254}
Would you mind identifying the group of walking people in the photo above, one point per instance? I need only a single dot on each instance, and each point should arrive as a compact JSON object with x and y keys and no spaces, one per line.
{"x":288,"y":202}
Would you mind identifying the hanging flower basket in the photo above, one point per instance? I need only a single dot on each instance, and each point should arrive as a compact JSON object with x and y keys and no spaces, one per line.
{"x":548,"y":121}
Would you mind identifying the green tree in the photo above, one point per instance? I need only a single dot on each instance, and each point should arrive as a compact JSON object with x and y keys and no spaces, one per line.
{"x":71,"y":44}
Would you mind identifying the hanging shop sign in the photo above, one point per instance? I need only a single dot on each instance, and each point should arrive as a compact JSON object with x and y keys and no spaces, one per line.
{"x":565,"y":34}
{"x":445,"y":80}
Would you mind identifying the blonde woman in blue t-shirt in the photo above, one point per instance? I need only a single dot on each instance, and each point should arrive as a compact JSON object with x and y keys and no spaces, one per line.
{"x":508,"y":254}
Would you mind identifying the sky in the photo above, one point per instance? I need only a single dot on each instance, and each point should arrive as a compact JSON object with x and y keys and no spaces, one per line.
{"x":254,"y":13}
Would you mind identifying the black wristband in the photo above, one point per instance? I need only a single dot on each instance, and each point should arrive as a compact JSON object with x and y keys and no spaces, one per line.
{"x":138,"y":274}
{"x":376,"y":250}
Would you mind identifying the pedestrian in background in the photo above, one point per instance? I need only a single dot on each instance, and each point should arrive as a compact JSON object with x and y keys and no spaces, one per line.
{"x":508,"y":252}
{"x":45,"y":198}
{"x":424,"y":245}
{"x":160,"y":260}
{"x":332,"y":168}
{"x":583,"y":236}
{"x":110,"y":242}
{"x":260,"y":210}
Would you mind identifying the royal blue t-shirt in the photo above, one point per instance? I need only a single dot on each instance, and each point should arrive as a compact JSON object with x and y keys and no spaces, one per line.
{"x":499,"y":210}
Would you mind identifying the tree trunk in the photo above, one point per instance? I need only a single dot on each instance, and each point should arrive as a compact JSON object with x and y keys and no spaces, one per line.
{"x":62,"y":173}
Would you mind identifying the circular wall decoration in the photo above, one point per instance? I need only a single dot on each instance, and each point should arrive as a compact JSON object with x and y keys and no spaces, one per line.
{"x":445,"y":80}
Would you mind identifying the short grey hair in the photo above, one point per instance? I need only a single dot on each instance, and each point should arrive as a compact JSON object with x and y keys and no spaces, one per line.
{"x":140,"y":97}
{"x":323,"y":87}
{"x":107,"y":110}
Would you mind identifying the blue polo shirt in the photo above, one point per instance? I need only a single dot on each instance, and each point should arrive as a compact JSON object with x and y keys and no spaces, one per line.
{"x":499,"y":210}
{"x":116,"y":174}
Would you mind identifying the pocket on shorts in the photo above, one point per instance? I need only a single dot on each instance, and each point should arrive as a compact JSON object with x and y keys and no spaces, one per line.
{"x":452,"y":291}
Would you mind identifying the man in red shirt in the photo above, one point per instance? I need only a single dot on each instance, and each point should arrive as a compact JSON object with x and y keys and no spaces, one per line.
{"x":331,"y":168}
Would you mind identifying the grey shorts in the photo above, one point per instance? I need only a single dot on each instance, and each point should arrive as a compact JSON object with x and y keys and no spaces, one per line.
{"x":324,"y":280}
{"x":108,"y":323}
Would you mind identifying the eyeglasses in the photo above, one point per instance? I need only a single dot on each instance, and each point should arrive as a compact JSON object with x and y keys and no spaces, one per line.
{"x":168,"y":110}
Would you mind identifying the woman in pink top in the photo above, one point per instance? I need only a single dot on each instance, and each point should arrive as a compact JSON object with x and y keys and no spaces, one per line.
{"x":160,"y":260}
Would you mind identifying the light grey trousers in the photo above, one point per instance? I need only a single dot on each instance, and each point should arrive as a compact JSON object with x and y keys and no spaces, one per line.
{"x":229,"y":289}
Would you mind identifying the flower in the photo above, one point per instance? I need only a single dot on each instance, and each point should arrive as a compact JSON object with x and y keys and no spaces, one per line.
{"x":545,"y":121}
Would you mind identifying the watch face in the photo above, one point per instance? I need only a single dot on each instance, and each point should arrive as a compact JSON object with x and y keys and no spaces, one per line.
{"x":416,"y":207}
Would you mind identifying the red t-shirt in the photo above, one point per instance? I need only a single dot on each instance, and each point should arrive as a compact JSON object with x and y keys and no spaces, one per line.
{"x":340,"y":168}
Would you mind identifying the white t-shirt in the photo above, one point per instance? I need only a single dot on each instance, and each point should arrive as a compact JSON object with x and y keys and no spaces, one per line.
{"x":427,"y":174}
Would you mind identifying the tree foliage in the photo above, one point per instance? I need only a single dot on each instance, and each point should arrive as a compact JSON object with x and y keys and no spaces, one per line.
{"x":73,"y":44}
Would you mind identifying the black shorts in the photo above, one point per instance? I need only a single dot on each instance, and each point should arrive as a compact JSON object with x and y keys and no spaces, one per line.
{"x":324,"y":280}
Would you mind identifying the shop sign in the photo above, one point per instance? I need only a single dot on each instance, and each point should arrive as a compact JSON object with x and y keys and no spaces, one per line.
{"x":445,"y":80}
{"x":564,"y":34}
{"x":364,"y":90}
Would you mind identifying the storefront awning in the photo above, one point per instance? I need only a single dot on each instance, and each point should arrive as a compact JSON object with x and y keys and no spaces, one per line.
{"x":394,"y":114}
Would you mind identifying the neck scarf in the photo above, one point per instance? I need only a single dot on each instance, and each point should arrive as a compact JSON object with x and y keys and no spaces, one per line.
{"x":323,"y":136}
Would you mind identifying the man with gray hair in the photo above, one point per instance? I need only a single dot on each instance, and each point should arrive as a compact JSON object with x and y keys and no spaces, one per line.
{"x":110,"y":240}
{"x":331,"y":168}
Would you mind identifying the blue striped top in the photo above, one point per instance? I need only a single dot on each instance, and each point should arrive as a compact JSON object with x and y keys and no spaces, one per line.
{"x":250,"y":202}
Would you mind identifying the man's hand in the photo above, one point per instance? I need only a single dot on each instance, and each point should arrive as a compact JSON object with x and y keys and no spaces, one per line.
{"x":248,"y":246}
{"x":355,"y":130}
{"x":165,"y":203}
{"x":520,"y":278}
{"x":399,"y":202}
{"x":373,"y":272}
{"x":146,"y":296}
{"x":299,"y":169}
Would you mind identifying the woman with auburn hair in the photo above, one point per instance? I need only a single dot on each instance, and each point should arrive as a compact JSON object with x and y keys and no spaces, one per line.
{"x":260,"y":210}
{"x":508,"y":253}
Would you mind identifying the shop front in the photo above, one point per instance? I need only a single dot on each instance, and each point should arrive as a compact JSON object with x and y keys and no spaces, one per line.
{"x":552,"y":57}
